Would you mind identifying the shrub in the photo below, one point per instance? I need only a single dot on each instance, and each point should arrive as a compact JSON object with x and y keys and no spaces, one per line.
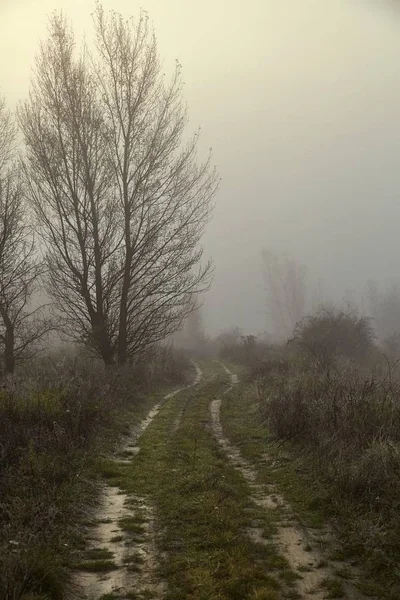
{"x":329,"y":334}
{"x":243,"y":349}
{"x":349,"y":431}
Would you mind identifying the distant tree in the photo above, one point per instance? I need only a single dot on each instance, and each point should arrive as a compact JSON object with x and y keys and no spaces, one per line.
{"x":318,"y":296}
{"x":384,"y":307}
{"x":349,"y":301}
{"x":194,"y":335}
{"x":120,"y":196}
{"x":22,"y":327}
{"x":285,"y":283}
{"x":227,"y":341}
{"x":329,"y":334}
{"x":244,"y":349}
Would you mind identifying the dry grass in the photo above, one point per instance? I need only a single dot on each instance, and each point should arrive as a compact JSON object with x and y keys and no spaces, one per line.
{"x":348,"y":427}
{"x":53,"y":421}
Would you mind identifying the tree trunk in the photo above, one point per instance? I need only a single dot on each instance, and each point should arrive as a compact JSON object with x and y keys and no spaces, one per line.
{"x":123,"y":306}
{"x":102,"y":341}
{"x":122,"y":334}
{"x":9,"y":357}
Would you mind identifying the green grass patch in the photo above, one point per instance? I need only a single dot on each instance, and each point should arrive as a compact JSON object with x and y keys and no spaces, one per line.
{"x":131,"y":525}
{"x":134,"y":558}
{"x":334,"y":587}
{"x":242,"y":425}
{"x":96,"y":566}
{"x":203,"y":506}
{"x":98,"y":554}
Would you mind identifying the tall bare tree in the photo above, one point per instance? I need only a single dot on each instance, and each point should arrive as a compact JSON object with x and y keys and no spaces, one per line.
{"x":21,"y":325}
{"x":285,"y":282}
{"x":121,"y":198}
{"x":163,"y":193}
{"x":384,"y":307}
{"x":70,"y":180}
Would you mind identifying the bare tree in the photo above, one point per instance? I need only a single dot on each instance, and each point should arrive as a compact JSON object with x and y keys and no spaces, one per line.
{"x":384,"y":307}
{"x":163,"y":193}
{"x":193,"y":336}
{"x":22,"y":326}
{"x":285,"y":281}
{"x":121,"y":199}
{"x":69,"y":175}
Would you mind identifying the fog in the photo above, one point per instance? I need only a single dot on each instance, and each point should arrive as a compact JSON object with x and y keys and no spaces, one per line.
{"x":300,"y":103}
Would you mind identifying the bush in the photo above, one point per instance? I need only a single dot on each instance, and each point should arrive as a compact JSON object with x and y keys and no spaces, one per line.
{"x":243,"y":349}
{"x":266,"y":371}
{"x":349,"y":431}
{"x":329,"y":334}
{"x":48,"y":426}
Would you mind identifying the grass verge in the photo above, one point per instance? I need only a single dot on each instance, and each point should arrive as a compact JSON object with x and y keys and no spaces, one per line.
{"x":313,"y":500}
{"x":50,"y":441}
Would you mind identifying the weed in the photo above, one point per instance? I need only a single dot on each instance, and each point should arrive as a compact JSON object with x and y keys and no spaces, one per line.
{"x":117,"y":538}
{"x":95,"y":566}
{"x":131,"y":525}
{"x":98,"y":554}
{"x":334,"y":587}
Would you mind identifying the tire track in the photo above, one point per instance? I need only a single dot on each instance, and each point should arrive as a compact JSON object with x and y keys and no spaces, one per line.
{"x":115,"y":511}
{"x":292,"y":541}
{"x":198,"y":378}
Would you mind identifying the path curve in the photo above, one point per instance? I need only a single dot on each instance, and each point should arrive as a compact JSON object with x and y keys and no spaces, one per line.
{"x":292,"y":541}
{"x":107,"y":533}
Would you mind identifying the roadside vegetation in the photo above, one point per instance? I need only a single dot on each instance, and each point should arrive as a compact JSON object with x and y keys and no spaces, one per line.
{"x":321,"y":418}
{"x":55,"y":422}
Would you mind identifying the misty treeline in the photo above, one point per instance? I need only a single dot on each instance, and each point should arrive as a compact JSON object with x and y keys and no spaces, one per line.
{"x":104,"y":202}
{"x":292,"y":299}
{"x":301,"y":317}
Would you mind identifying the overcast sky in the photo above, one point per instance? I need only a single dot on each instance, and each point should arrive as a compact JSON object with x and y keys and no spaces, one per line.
{"x":301,"y":104}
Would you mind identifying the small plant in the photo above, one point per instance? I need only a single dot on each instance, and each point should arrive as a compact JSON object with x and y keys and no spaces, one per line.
{"x":334,"y":587}
{"x":98,"y":554}
{"x":116,"y":539}
{"x":131,"y":525}
{"x":96,"y":566}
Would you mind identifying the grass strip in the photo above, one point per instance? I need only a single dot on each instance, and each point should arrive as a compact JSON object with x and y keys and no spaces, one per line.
{"x":203,"y":507}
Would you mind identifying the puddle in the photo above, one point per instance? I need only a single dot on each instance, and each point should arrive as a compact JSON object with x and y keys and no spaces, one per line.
{"x":93,"y":585}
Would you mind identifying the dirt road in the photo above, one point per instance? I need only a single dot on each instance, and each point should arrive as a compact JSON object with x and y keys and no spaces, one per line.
{"x":184,"y":515}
